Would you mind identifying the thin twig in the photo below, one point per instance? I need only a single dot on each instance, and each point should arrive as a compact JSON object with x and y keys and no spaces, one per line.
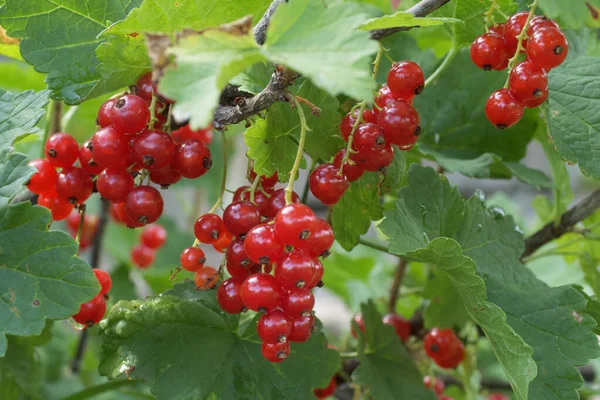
{"x":260,"y":30}
{"x":396,"y":285}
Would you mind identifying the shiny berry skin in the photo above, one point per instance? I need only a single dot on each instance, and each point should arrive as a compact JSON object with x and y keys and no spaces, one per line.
{"x":86,"y":159}
{"x":406,"y":80}
{"x":165,"y":176}
{"x":74,"y":185}
{"x":261,"y":293}
{"x":437,"y":385}
{"x":265,"y":181}
{"x":297,"y":302}
{"x":110,"y":148}
{"x":384,"y":95}
{"x":368,"y":137}
{"x":527,"y":82}
{"x":229,"y":296}
{"x":547,"y":48}
{"x":274,"y":327}
{"x":129,"y":114}
{"x":241,"y":216}
{"x":540,"y":22}
{"x":376,"y":160}
{"x":358,"y":318}
{"x":154,"y":149}
{"x":294,"y":270}
{"x":103,"y":119}
{"x":351,"y":171}
{"x":261,"y":244}
{"x":327,"y":184}
{"x":104,"y":280}
{"x":184,"y":133}
{"x":538,"y":101}
{"x":444,"y":347}
{"x":498,"y":29}
{"x":321,"y":240}
{"x":294,"y":223}
{"x":144,"y":87}
{"x":400,"y":123}
{"x":277,"y":201}
{"x":206,"y":278}
{"x":260,"y":198}
{"x":275,"y":352}
{"x":154,"y":236}
{"x":302,"y":328}
{"x":328,"y":391}
{"x":489,"y":52}
{"x":503,"y":110}
{"x":512,"y":30}
{"x":192,"y":159}
{"x":223,"y":242}
{"x":60,"y":209}
{"x":192,"y":259}
{"x":126,"y":218}
{"x":239,"y":272}
{"x":317,"y":275}
{"x":144,"y":204}
{"x":92,"y":312}
{"x":401,"y":325}
{"x":142,"y":256}
{"x":209,"y":228}
{"x":350,"y":119}
{"x":44,"y":180}
{"x":61,"y":150}
{"x":114,"y":184}
{"x":497,"y":396}
{"x":238,"y":262}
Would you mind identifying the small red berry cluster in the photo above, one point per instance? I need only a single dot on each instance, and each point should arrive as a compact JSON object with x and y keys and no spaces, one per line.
{"x":437,"y":385}
{"x":546,"y":47}
{"x":444,"y":347}
{"x":325,"y":392}
{"x":393,"y":121}
{"x":88,"y":229}
{"x":153,"y":237}
{"x":400,"y":325}
{"x":92,"y":312}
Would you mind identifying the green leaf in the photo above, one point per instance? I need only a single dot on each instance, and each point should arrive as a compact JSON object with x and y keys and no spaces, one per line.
{"x":255,"y":78}
{"x":60,"y":37}
{"x":394,"y":175}
{"x":14,"y":173}
{"x":342,"y":270}
{"x":445,"y":309}
{"x":403,"y":19}
{"x":158,"y":335}
{"x":351,"y":216}
{"x":20,"y":370}
{"x":572,"y":14}
{"x":19,"y":115}
{"x":386,"y":369}
{"x":20,"y":76}
{"x":573,"y":123}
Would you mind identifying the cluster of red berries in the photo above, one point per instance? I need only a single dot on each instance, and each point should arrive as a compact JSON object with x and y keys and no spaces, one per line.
{"x":437,"y":385}
{"x":546,"y":47}
{"x":393,"y":121}
{"x":400,"y":325}
{"x":444,"y":347}
{"x":153,"y":237}
{"x":92,"y":312}
{"x":88,"y":229}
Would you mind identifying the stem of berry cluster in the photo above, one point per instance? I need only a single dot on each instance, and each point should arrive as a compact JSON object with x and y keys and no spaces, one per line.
{"x":397,"y":284}
{"x":82,"y":208}
{"x":449,"y":57}
{"x":303,"y":128}
{"x":167,"y":125}
{"x":152,"y":109}
{"x":521,"y":37}
{"x":489,"y":15}
{"x":253,"y":188}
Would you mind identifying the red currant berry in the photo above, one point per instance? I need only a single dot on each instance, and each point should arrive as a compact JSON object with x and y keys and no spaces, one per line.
{"x":498,"y":29}
{"x":503,"y":110}
{"x":384,"y":95}
{"x":114,"y":213}
{"x":512,"y":30}
{"x":165,"y":176}
{"x":144,"y":204}
{"x":260,"y":198}
{"x":154,"y":149}
{"x":86,"y":159}
{"x":274,"y":327}
{"x":444,"y":347}
{"x":497,"y":396}
{"x":327,"y":184}
{"x":229,"y":296}
{"x":527,"y":82}
{"x":294,"y":224}
{"x":61,"y":150}
{"x":297,"y":302}
{"x":238,"y":261}
{"x":144,"y":87}
{"x":489,"y":52}
{"x":358,"y":318}
{"x":265,"y":181}
{"x":103,"y":119}
{"x":44,"y":180}
{"x":437,"y":385}
{"x":239,"y":272}
{"x":376,"y":160}
{"x":352,"y":171}
{"x":126,"y":218}
{"x":302,"y":328}
{"x":401,"y":325}
{"x":92,"y":312}
{"x":400,"y":123}
{"x":110,"y":148}
{"x":540,"y":22}
{"x":206,"y":278}
{"x":74,"y":185}
{"x":154,"y":236}
{"x":321,"y":240}
{"x":223,"y":242}
{"x":277,"y":202}
{"x":129,"y":114}
{"x":261,"y":293}
{"x":241,"y":216}
{"x":324,"y":393}
{"x":275,"y":352}
{"x":142,"y":256}
{"x":90,"y":224}
{"x":192,"y":159}
{"x":104,"y":280}
{"x":368,"y":137}
{"x":209,"y":228}
{"x":261,"y":244}
{"x":294,"y":270}
{"x":114,"y":184}
{"x":350,"y":119}
{"x":317,"y":276}
{"x":406,"y":80}
{"x":184,"y":133}
{"x":547,"y":48}
{"x":60,"y":209}
{"x":538,"y":101}
{"x":192,"y":259}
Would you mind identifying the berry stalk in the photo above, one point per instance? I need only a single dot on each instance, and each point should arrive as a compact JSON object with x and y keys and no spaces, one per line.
{"x":152,"y":110}
{"x":449,"y":57}
{"x":512,"y":61}
{"x":82,"y":208}
{"x":349,"y":150}
{"x":253,"y":188}
{"x":489,"y":15}
{"x":303,"y":128}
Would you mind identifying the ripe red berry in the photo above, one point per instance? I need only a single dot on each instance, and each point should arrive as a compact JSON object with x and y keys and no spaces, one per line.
{"x":110,"y":148}
{"x":154,"y":236}
{"x":528,"y":82}
{"x":547,"y":48}
{"x":265,"y":181}
{"x":400,"y":123}
{"x":238,"y":261}
{"x":297,"y":302}
{"x":129,"y":114}
{"x":540,"y":22}
{"x":223,"y":242}
{"x":142,"y":256}
{"x":538,"y":101}
{"x":512,"y":30}
{"x":261,"y":293}
{"x":261,"y":244}
{"x":294,"y":270}
{"x":277,"y":201}
{"x":375,"y":160}
{"x":154,"y":149}
{"x":498,"y":396}
{"x":61,"y":150}
{"x":209,"y":228}
{"x":60,"y":209}
{"x":503,"y":110}
{"x":44,"y":180}
{"x":350,"y":119}
{"x":144,"y":87}
{"x":86,"y":159}
{"x":229,"y":296}
{"x":241,"y":216}
{"x":352,"y":171}
{"x":114,"y":184}
{"x":274,"y":327}
{"x":302,"y":328}
{"x":321,"y":240}
{"x":401,"y":325}
{"x":192,"y":159}
{"x":384,"y":95}
{"x":406,"y":80}
{"x":358,"y":318}
{"x":192,"y":259}
{"x":437,"y":385}
{"x":294,"y":224}
{"x":444,"y":347}
{"x":144,"y":204}
{"x":103,"y":119}
{"x":328,"y":391}
{"x":74,"y":185}
{"x":368,"y":137}
{"x":165,"y":176}
{"x":185,"y":132}
{"x":104,"y":280}
{"x":126,"y":218}
{"x":275,"y":352}
{"x":91,"y":313}
{"x":317,"y":275}
{"x":206,"y":278}
{"x":327,"y":184}
{"x":498,"y":29}
{"x":260,"y":198}
{"x":489,"y":52}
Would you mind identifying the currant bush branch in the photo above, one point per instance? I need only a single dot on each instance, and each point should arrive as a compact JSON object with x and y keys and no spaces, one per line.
{"x":521,"y":37}
{"x":299,"y":154}
{"x":397,"y":284}
{"x":82,"y":208}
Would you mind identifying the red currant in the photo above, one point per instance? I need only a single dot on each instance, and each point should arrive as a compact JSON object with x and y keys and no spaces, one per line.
{"x":358,"y":318}
{"x":401,"y":325}
{"x":223,"y":242}
{"x":503,"y":110}
{"x":498,"y":29}
{"x":400,"y":123}
{"x":297,"y":302}
{"x":294,"y":224}
{"x":547,"y":48}
{"x":114,"y":184}
{"x":350,"y":119}
{"x":144,"y":204}
{"x":261,"y":198}
{"x":274,"y":327}
{"x":229,"y":296}
{"x":192,"y":259}
{"x":165,"y":176}
{"x":154,"y":149}
{"x":537,"y":101}
{"x":60,"y":209}
{"x":154,"y":236}
{"x":110,"y":148}
{"x":317,"y":276}
{"x":104,"y":280}
{"x":126,"y":218}
{"x":89,"y":227}
{"x":384,"y":95}
{"x":240,"y":272}
{"x":375,"y":160}
{"x":527,"y":82}
{"x":74,"y":185}
{"x":184,"y":133}
{"x":142,"y":256}
{"x":44,"y":180}
{"x":129,"y":114}
{"x":302,"y":328}
{"x":497,"y":396}
{"x":328,"y":391}
{"x":277,"y":202}
{"x":265,"y":181}
{"x":238,"y":262}
{"x":144,"y":87}
{"x":444,"y":347}
{"x":352,"y":171}
{"x":368,"y":137}
{"x":437,"y":385}
{"x":540,"y":22}
{"x":321,"y":239}
{"x":92,"y":312}
{"x":61,"y":150}
{"x":206,"y":278}
{"x":294,"y":270}
{"x":261,"y":244}
{"x":275,"y":352}
{"x":86,"y":159}
{"x":103,"y":119}
{"x":209,"y":228}
{"x":406,"y":80}
{"x":512,"y":30}
{"x":192,"y":159}
{"x":489,"y":52}
{"x":327,"y":184}
{"x":241,"y":216}
{"x":261,"y":293}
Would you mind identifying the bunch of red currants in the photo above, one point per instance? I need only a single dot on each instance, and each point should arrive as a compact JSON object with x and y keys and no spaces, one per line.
{"x":153,"y":237}
{"x":92,"y":312}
